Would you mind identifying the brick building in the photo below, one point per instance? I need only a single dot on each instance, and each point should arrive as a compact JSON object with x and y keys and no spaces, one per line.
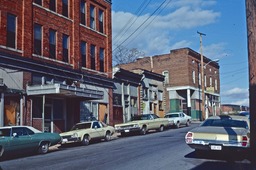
{"x":182,"y":91}
{"x":56,"y":61}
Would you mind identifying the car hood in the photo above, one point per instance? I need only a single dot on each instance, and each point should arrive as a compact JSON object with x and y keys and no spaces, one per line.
{"x":131,"y":123}
{"x":72,"y":132}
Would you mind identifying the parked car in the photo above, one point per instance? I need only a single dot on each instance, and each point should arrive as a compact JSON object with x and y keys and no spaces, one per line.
{"x":224,"y":132}
{"x":178,"y":118}
{"x":245,"y":113}
{"x":84,"y":132}
{"x":142,"y":124}
{"x":20,"y":139}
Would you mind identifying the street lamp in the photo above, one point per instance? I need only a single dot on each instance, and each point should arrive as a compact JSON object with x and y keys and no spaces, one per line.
{"x":216,"y":61}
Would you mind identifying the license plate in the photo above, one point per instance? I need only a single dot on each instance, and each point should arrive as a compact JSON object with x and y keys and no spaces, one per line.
{"x":127,"y":130}
{"x":216,"y":147}
{"x":64,"y":140}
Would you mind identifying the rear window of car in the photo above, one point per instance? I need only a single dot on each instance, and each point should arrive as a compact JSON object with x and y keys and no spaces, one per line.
{"x":171,"y":115}
{"x":225,"y":123}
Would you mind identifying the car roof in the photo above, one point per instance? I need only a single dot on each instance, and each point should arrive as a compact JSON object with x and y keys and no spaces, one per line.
{"x":236,"y":117}
{"x":9,"y":127}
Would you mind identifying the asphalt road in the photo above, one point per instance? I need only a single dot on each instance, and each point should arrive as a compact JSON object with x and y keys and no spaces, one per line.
{"x":154,"y":151}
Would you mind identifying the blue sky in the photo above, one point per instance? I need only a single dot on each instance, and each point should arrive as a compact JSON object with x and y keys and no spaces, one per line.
{"x":158,"y":26}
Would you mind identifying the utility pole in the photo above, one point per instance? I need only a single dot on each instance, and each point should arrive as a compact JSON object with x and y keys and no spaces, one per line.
{"x":202,"y":75}
{"x":251,"y":40}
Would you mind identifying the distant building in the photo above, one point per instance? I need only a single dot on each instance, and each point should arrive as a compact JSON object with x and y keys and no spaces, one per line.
{"x":182,"y":92}
{"x":233,"y":108}
{"x":56,"y":59}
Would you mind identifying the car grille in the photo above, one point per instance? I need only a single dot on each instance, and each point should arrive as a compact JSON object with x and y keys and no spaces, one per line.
{"x":66,"y":137}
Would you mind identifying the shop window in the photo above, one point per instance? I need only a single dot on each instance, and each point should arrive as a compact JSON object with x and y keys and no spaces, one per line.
{"x":37,"y":39}
{"x":37,"y":105}
{"x":83,"y":53}
{"x":58,"y":109}
{"x":11,"y":31}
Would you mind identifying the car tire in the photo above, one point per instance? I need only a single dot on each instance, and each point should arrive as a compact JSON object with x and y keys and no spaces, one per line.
{"x":143,"y":131}
{"x":178,"y":125}
{"x":161,"y":129}
{"x":86,"y":140}
{"x":107,"y":136}
{"x":187,"y":123}
{"x":43,"y":148}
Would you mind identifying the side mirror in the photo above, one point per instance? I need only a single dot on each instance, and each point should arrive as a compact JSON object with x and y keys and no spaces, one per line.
{"x":15,"y":135}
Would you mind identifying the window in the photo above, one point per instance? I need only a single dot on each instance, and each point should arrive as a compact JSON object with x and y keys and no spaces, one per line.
{"x":166,"y":77}
{"x":102,"y":56}
{"x":37,"y":39}
{"x":65,"y":8}
{"x":52,"y":44}
{"x":83,"y":12}
{"x":93,"y":57}
{"x":39,"y":2}
{"x":210,"y":81}
{"x":194,"y":77}
{"x":52,"y":5}
{"x":65,"y":46}
{"x":83,"y":53}
{"x":205,"y":83}
{"x":101,"y":23}
{"x":216,"y":84}
{"x":199,"y":78}
{"x":11,"y":31}
{"x":92,"y":17}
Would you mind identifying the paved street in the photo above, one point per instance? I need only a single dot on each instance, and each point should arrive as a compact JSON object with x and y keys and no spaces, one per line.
{"x":164,"y":150}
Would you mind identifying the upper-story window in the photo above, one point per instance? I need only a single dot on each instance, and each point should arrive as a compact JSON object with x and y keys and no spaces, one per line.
{"x":65,"y":46}
{"x":39,"y":2}
{"x":52,"y":44}
{"x":83,"y":53}
{"x":166,"y":77}
{"x":37,"y":39}
{"x":216,"y":84}
{"x":210,"y":81}
{"x":102,"y":56}
{"x":92,"y":17}
{"x":83,"y":12}
{"x":199,"y":79}
{"x":205,"y":81}
{"x":93,"y":48}
{"x":101,"y":21}
{"x":11,"y":31}
{"x":194,"y":76}
{"x":65,"y":8}
{"x":52,"y":5}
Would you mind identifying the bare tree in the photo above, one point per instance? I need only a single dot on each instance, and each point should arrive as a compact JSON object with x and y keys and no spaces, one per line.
{"x":123,"y":55}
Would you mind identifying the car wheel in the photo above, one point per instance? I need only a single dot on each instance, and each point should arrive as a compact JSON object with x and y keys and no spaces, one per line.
{"x":161,"y":128}
{"x":178,"y":125}
{"x":86,"y":140}
{"x":188,"y":122}
{"x":43,"y":148}
{"x":107,"y":136}
{"x":143,"y":131}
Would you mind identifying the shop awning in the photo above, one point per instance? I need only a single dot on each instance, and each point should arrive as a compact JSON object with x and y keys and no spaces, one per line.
{"x":64,"y":90}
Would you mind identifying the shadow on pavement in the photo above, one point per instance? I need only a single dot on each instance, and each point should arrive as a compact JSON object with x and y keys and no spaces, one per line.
{"x":225,"y":160}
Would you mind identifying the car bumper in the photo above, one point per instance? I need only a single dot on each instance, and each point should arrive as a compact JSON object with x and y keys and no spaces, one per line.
{"x":70,"y":140}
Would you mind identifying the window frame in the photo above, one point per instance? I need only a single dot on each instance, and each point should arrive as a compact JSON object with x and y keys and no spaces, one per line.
{"x":65,"y":6}
{"x":83,"y":48}
{"x":52,"y":46}
{"x":11,"y":31}
{"x":52,"y":5}
{"x":83,"y":12}
{"x":93,"y":56}
{"x":65,"y":47}
{"x":101,"y":21}
{"x":102,"y":59}
{"x":92,"y":17}
{"x":37,"y":42}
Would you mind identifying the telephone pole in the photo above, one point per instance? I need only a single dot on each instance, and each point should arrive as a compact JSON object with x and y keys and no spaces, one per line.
{"x":202,"y":75}
{"x":251,"y":40}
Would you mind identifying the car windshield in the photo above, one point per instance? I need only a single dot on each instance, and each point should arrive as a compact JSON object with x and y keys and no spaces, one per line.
{"x":225,"y":123}
{"x":172,"y":115}
{"x":5,"y":132}
{"x":81,"y":126}
{"x":140,"y":117}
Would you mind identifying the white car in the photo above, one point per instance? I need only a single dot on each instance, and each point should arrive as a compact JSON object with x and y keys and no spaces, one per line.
{"x":178,"y":118}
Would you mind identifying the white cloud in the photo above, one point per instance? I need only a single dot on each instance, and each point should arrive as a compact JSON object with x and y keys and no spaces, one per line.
{"x":236,"y":95}
{"x":181,"y":44}
{"x":214,"y":51}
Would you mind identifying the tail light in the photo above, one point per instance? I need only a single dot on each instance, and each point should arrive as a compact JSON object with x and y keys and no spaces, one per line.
{"x":244,"y":140}
{"x":189,"y":137}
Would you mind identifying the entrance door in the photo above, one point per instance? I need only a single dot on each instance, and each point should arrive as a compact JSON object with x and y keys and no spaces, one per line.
{"x":48,"y":118}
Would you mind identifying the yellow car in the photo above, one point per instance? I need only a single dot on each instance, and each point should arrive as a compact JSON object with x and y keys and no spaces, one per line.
{"x":142,"y":124}
{"x":220,"y":133}
{"x":85,"y":132}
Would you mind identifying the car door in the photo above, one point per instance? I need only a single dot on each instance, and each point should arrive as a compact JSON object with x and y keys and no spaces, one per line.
{"x":96,"y":130}
{"x":20,"y":140}
{"x":155,"y":121}
{"x":182,"y":118}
